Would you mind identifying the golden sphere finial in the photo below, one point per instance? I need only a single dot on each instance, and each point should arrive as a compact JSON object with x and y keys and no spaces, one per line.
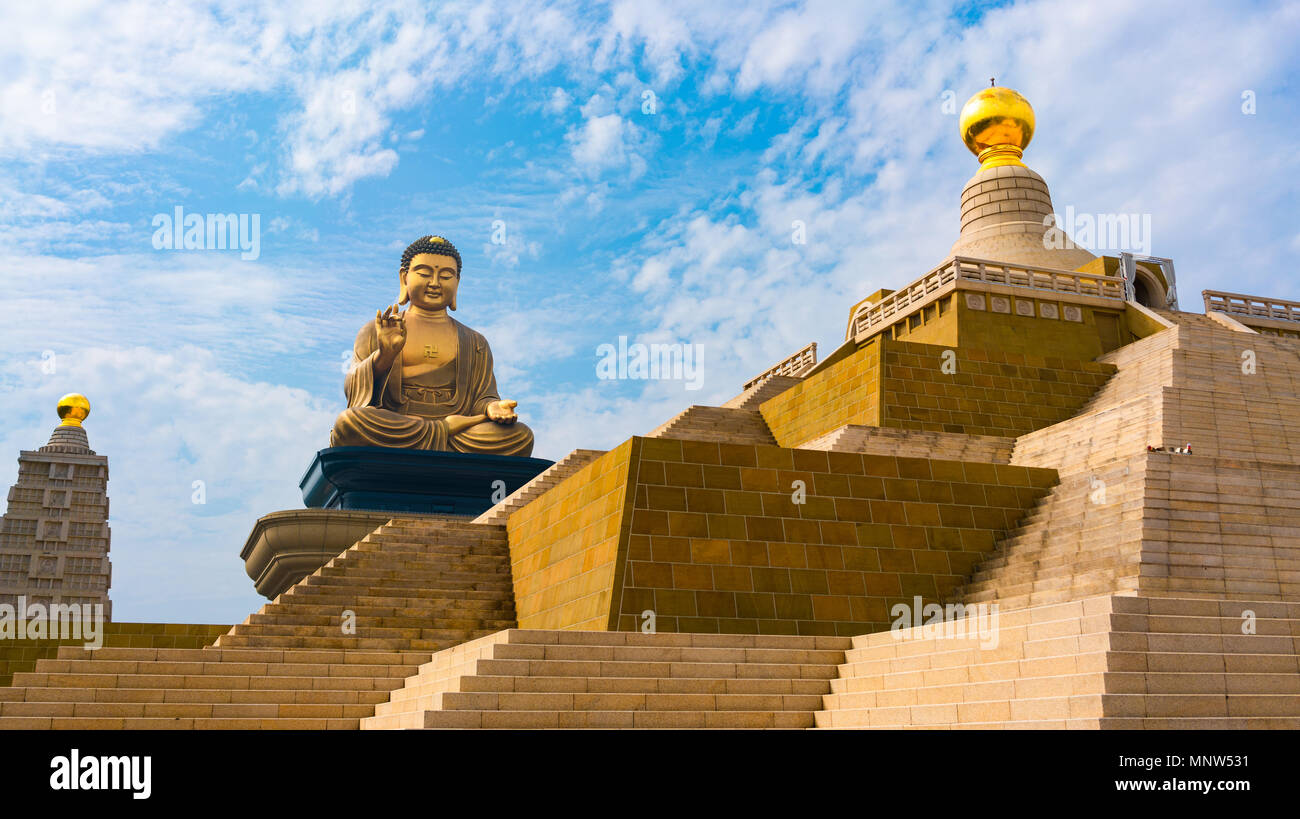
{"x":73,"y":409}
{"x":997,"y":124}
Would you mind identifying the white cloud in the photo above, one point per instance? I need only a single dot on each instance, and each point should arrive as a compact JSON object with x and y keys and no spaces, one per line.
{"x":599,"y":144}
{"x":744,"y":126}
{"x":558,"y":101}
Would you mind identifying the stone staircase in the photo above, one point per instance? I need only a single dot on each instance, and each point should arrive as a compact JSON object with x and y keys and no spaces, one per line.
{"x":760,"y":392}
{"x":412,"y":585}
{"x":539,"y":485}
{"x":1105,"y":662}
{"x":1190,"y":319}
{"x":591,"y":679}
{"x":1218,"y":523}
{"x":412,"y":588}
{"x":717,"y":425}
{"x":943,"y":446}
{"x":1083,"y":538}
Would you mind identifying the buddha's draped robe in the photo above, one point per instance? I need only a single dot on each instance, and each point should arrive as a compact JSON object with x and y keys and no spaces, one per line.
{"x":407,"y":413}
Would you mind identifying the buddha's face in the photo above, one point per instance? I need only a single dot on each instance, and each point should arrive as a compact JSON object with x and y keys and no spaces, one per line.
{"x":431,"y":281}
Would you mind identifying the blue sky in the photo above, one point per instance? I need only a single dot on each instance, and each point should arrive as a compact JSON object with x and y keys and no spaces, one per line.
{"x":352,"y":128}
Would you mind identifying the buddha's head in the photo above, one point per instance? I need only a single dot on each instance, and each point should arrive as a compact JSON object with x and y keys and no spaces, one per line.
{"x":430,"y":274}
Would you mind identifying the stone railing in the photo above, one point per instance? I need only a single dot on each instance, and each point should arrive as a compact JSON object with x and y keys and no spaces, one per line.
{"x":945,"y":277}
{"x":796,"y":364}
{"x":1236,"y":304}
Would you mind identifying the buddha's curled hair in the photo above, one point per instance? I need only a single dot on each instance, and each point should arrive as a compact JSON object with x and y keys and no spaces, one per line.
{"x":430,"y":244}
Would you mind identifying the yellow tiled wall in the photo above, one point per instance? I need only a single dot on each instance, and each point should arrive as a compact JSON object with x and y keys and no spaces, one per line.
{"x":980,"y":391}
{"x":983,"y":392}
{"x":846,"y":392}
{"x":1034,"y":334}
{"x":564,"y":546}
{"x":718,"y":542}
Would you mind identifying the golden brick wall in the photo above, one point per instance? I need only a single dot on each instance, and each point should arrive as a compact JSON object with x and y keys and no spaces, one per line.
{"x":846,"y":392}
{"x":564,"y":546}
{"x":21,"y":655}
{"x":988,"y":392}
{"x":717,"y":543}
{"x":1035,"y":334}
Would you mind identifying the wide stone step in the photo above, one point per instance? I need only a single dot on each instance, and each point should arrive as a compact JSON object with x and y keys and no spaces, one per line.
{"x":36,"y":679}
{"x":1201,"y":723}
{"x":438,"y":608}
{"x":415,"y":550}
{"x":449,"y":629}
{"x":228,"y":668}
{"x":381,"y":561}
{"x":402,"y":586}
{"x":943,"y":715}
{"x":669,"y":639}
{"x":245,"y":655}
{"x":184,"y":710}
{"x":432,"y":574}
{"x":673,"y":720}
{"x":456,"y":620}
{"x":640,"y":685}
{"x":176,"y":724}
{"x":617,"y":668}
{"x":425,"y":646}
{"x":370,"y":697}
{"x":1006,"y":691}
{"x":589,"y":701}
{"x":667,"y":654}
{"x":1203,"y":705}
{"x":425,"y":598}
{"x":412,"y":548}
{"x":467,"y":533}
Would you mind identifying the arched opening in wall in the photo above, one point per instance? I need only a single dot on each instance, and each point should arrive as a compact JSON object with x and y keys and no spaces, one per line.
{"x":1142,"y":292}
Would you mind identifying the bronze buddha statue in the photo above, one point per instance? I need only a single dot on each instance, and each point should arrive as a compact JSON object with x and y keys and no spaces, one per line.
{"x":419,"y":379}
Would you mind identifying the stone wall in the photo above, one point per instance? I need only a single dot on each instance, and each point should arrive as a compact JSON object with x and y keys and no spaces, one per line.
{"x":987,"y":392}
{"x":564,"y":546}
{"x":718,"y":543}
{"x":711,"y":537}
{"x":903,"y":384}
{"x":846,"y":392}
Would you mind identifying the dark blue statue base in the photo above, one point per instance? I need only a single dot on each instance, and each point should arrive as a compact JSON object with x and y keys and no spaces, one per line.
{"x":378,"y":479}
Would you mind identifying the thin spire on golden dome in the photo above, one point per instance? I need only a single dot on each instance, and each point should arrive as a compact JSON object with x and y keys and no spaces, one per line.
{"x":997,"y":124}
{"x":73,"y":409}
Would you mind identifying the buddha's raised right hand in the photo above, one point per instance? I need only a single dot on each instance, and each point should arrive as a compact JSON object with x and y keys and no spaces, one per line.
{"x":390,"y":333}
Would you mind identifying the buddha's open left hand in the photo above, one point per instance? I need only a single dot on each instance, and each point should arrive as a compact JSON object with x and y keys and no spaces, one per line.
{"x":503,"y":412}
